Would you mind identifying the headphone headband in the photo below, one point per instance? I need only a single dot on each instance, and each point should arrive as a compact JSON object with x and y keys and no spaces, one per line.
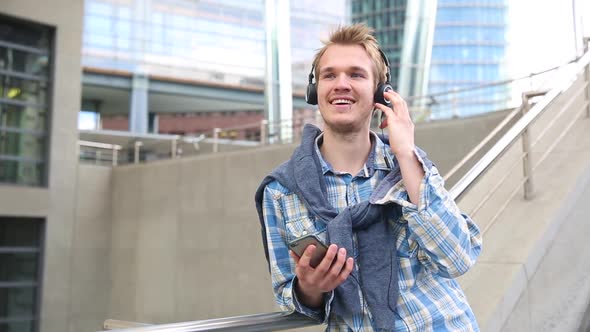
{"x":387,"y":66}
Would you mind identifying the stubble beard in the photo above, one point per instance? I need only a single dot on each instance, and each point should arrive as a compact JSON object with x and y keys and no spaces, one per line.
{"x":346,"y":129}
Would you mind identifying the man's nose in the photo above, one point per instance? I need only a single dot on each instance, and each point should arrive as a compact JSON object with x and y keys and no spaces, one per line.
{"x":342,"y":82}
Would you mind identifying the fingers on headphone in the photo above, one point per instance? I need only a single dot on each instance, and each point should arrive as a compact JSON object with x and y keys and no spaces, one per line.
{"x":385,"y":109}
{"x":398,"y":103}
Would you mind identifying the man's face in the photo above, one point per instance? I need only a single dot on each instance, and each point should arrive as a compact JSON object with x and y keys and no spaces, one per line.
{"x":345,"y":88}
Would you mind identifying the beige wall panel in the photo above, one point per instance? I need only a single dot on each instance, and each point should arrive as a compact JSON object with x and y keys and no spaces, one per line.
{"x":23,"y":201}
{"x":59,"y":204}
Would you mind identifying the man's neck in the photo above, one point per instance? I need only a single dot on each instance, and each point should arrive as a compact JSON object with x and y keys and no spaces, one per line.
{"x":346,"y":153}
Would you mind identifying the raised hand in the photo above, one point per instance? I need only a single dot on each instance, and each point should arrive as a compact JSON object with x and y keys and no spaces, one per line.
{"x":401,"y":139}
{"x":399,"y":124}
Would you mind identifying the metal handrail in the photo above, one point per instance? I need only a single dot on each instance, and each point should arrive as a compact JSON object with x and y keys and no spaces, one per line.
{"x":285,"y":320}
{"x":481,"y":144}
{"x":513,"y":133}
{"x":115,"y":148}
{"x":274,"y":321}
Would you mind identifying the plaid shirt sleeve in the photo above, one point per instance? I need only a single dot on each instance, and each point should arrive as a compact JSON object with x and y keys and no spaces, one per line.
{"x":282,"y":266}
{"x":451,"y":240}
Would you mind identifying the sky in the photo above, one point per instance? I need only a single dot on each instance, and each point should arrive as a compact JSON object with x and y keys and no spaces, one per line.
{"x":541,"y":33}
{"x":87,"y":120}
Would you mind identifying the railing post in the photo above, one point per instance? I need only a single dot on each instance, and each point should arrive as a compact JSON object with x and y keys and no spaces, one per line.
{"x":279,"y":131}
{"x":527,"y":163}
{"x":587,"y":73}
{"x":173,"y":148}
{"x":216,"y":132}
{"x":263,"y":131}
{"x":454,"y":103}
{"x":587,"y":76}
{"x":115,"y":155}
{"x":137,"y":146}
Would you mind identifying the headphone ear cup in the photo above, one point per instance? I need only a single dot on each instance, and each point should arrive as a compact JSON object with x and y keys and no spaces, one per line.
{"x":380,"y":94}
{"x":311,"y":95}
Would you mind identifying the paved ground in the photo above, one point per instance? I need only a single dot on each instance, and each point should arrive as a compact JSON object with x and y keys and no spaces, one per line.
{"x":559,"y":292}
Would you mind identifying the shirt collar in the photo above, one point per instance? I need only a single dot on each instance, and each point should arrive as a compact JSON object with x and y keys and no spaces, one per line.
{"x":375,"y":161}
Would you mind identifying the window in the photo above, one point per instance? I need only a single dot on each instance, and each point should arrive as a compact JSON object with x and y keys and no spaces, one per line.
{"x":25,"y":79}
{"x":20,"y":273}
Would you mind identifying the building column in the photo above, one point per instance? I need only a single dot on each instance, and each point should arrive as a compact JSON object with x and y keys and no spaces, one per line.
{"x":138,"y":106}
{"x":417,"y":49}
{"x":138,"y":112}
{"x":278,"y":97}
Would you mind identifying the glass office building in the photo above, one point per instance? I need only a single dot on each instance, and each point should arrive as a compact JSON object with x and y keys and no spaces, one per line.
{"x":25,"y":76}
{"x":469,"y":50}
{"x":311,"y":22}
{"x":20,"y":273}
{"x":211,"y":41}
{"x":216,"y":41}
{"x":387,"y":18}
{"x":442,"y":47}
{"x":207,"y":43}
{"x":404,"y":30}
{"x":25,"y":84}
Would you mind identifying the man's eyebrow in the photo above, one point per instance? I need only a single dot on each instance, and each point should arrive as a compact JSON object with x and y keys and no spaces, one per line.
{"x":352,"y":68}
{"x":326,"y":69}
{"x":356,"y":68}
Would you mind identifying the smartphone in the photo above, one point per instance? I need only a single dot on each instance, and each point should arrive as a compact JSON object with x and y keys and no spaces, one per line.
{"x":299,"y":245}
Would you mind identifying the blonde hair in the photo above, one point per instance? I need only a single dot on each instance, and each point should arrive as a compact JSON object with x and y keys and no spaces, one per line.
{"x":356,"y":34}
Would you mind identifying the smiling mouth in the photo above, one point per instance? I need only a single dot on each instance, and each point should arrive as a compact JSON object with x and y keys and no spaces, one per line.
{"x":342,"y":102}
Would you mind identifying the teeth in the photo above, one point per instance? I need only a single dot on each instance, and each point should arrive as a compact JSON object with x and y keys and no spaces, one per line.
{"x":341,"y":101}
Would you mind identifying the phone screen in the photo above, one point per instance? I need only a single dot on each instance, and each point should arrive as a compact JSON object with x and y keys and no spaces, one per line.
{"x":299,"y":245}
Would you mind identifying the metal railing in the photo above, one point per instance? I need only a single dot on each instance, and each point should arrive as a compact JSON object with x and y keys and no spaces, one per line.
{"x":95,"y":145}
{"x":120,"y":147}
{"x":529,"y":117}
{"x":286,"y":320}
{"x":99,"y":152}
{"x":149,"y":147}
{"x":274,"y":321}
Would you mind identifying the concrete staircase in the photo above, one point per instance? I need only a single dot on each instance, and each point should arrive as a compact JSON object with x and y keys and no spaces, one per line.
{"x":533,"y":272}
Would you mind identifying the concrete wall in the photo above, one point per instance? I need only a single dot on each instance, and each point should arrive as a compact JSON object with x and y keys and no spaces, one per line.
{"x":91,"y":248}
{"x":57,"y":202}
{"x":186,"y":238}
{"x":186,"y":241}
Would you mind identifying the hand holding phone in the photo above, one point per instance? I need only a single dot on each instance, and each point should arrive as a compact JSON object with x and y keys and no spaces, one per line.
{"x":299,"y":245}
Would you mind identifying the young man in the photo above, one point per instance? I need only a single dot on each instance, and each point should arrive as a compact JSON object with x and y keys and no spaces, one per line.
{"x":395,"y":237}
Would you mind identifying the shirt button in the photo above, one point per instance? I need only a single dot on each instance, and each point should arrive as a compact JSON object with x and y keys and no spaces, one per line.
{"x":304,"y":233}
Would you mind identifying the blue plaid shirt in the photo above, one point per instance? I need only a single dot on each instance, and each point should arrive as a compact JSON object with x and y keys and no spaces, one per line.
{"x":435,"y":243}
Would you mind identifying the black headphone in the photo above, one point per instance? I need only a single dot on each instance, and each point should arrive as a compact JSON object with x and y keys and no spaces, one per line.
{"x":311,"y":96}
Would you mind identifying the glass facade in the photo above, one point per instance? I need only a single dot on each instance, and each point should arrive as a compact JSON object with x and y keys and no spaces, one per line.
{"x":219,"y":41}
{"x":404,"y":31}
{"x":311,"y":22}
{"x":211,"y":41}
{"x":469,"y":49}
{"x":25,"y":81}
{"x":20,"y":271}
{"x":388,"y":18}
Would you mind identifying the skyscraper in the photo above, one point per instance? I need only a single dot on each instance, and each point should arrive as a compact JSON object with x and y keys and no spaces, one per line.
{"x":440,"y":47}
{"x":404,"y":30}
{"x":469,"y":50}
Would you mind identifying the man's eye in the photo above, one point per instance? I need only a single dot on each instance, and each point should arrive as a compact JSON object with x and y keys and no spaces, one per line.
{"x":327,"y":76}
{"x":357,"y":75}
